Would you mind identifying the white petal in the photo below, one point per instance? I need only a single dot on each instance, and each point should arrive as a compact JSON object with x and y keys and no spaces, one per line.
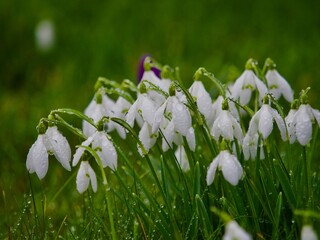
{"x":105,"y":150}
{"x":231,"y":168}
{"x":265,"y":121}
{"x":79,"y":152}
{"x":303,"y":126}
{"x":278,"y":85}
{"x":37,"y":158}
{"x":191,"y":139}
{"x":93,"y":178}
{"x":131,"y":115}
{"x":237,"y":129}
{"x":83,"y":178}
{"x":281,"y":124}
{"x":158,"y":117}
{"x":182,"y":158}
{"x":212,"y":170}
{"x":234,"y":231}
{"x":262,"y":89}
{"x":307,"y":233}
{"x":59,"y":146}
{"x":168,"y":134}
{"x":181,"y":117}
{"x":316,"y":114}
{"x":146,"y":137}
{"x":202,"y":97}
{"x":147,"y":108}
{"x":246,"y":147}
{"x":291,"y":125}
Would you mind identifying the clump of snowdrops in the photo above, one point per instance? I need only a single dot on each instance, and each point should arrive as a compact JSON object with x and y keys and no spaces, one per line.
{"x":190,"y":163}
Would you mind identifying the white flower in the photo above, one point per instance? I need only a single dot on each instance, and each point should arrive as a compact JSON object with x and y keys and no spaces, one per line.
{"x":182,"y":158}
{"x":278,"y":85}
{"x":217,"y":109}
{"x":226,"y":126}
{"x":85,"y":176}
{"x":235,"y":232}
{"x":103,"y":147}
{"x":250,"y":146}
{"x":143,"y":109}
{"x":180,"y":123}
{"x":52,"y":142}
{"x":245,"y":84}
{"x":307,"y":233}
{"x":262,"y":122}
{"x":45,"y":35}
{"x":96,"y":110}
{"x":290,"y":125}
{"x":299,"y":123}
{"x":228,"y":164}
{"x":147,"y":138}
{"x":119,"y":109}
{"x":202,"y":98}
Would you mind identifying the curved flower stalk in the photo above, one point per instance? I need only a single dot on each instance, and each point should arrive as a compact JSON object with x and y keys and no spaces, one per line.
{"x":99,"y":107}
{"x":50,"y":142}
{"x":202,"y":99}
{"x":308,"y":233}
{"x":245,"y":84}
{"x":102,"y":146}
{"x":225,"y":125}
{"x":234,"y":231}
{"x":85,"y":176}
{"x":119,"y":110}
{"x":299,"y":123}
{"x":229,"y":165}
{"x":180,"y":120}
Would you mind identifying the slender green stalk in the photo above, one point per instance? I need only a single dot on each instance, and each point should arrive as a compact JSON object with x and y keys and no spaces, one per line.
{"x":306,"y":175}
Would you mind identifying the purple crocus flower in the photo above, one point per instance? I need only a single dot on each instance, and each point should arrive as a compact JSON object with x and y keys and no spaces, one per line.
{"x":141,"y":68}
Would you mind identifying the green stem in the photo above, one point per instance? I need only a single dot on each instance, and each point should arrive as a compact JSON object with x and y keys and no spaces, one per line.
{"x":306,"y":177}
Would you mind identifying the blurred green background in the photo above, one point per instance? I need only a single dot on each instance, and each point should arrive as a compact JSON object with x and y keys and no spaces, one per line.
{"x":107,"y":38}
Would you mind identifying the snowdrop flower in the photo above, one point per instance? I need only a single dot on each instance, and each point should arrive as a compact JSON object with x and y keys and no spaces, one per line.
{"x":262,"y":122}
{"x":203,"y":99}
{"x":307,"y":233}
{"x":245,"y":84}
{"x":103,"y":147}
{"x":228,"y":164}
{"x":147,"y":138}
{"x":99,"y":107}
{"x":226,"y":125}
{"x":45,"y":35}
{"x":141,"y":67}
{"x":182,"y":158}
{"x":234,"y":231}
{"x":143,"y":109}
{"x":50,"y":142}
{"x":278,"y":85}
{"x":181,"y":119}
{"x":85,"y":176}
{"x":216,"y":109}
{"x":119,"y":109}
{"x":299,"y":123}
{"x":250,"y":146}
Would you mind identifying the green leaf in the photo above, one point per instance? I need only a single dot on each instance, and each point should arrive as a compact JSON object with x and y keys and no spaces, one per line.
{"x":277,"y":215}
{"x":204,"y":218}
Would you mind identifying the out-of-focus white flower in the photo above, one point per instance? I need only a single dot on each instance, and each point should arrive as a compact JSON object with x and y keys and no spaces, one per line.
{"x":245,"y":84}
{"x":181,"y":120}
{"x":182,"y":158}
{"x":250,"y":146}
{"x":119,"y":109}
{"x":299,"y":123}
{"x":262,"y":122}
{"x":103,"y":147}
{"x":203,"y":99}
{"x":143,"y":109}
{"x":278,"y":85}
{"x":51,"y":142}
{"x":307,"y":233}
{"x":85,"y":176}
{"x":45,"y":35}
{"x":99,"y":107}
{"x":228,"y":164}
{"x":235,"y":232}
{"x":226,"y":126}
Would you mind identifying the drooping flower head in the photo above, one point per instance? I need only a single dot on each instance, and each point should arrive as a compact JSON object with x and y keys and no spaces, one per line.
{"x":141,"y":67}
